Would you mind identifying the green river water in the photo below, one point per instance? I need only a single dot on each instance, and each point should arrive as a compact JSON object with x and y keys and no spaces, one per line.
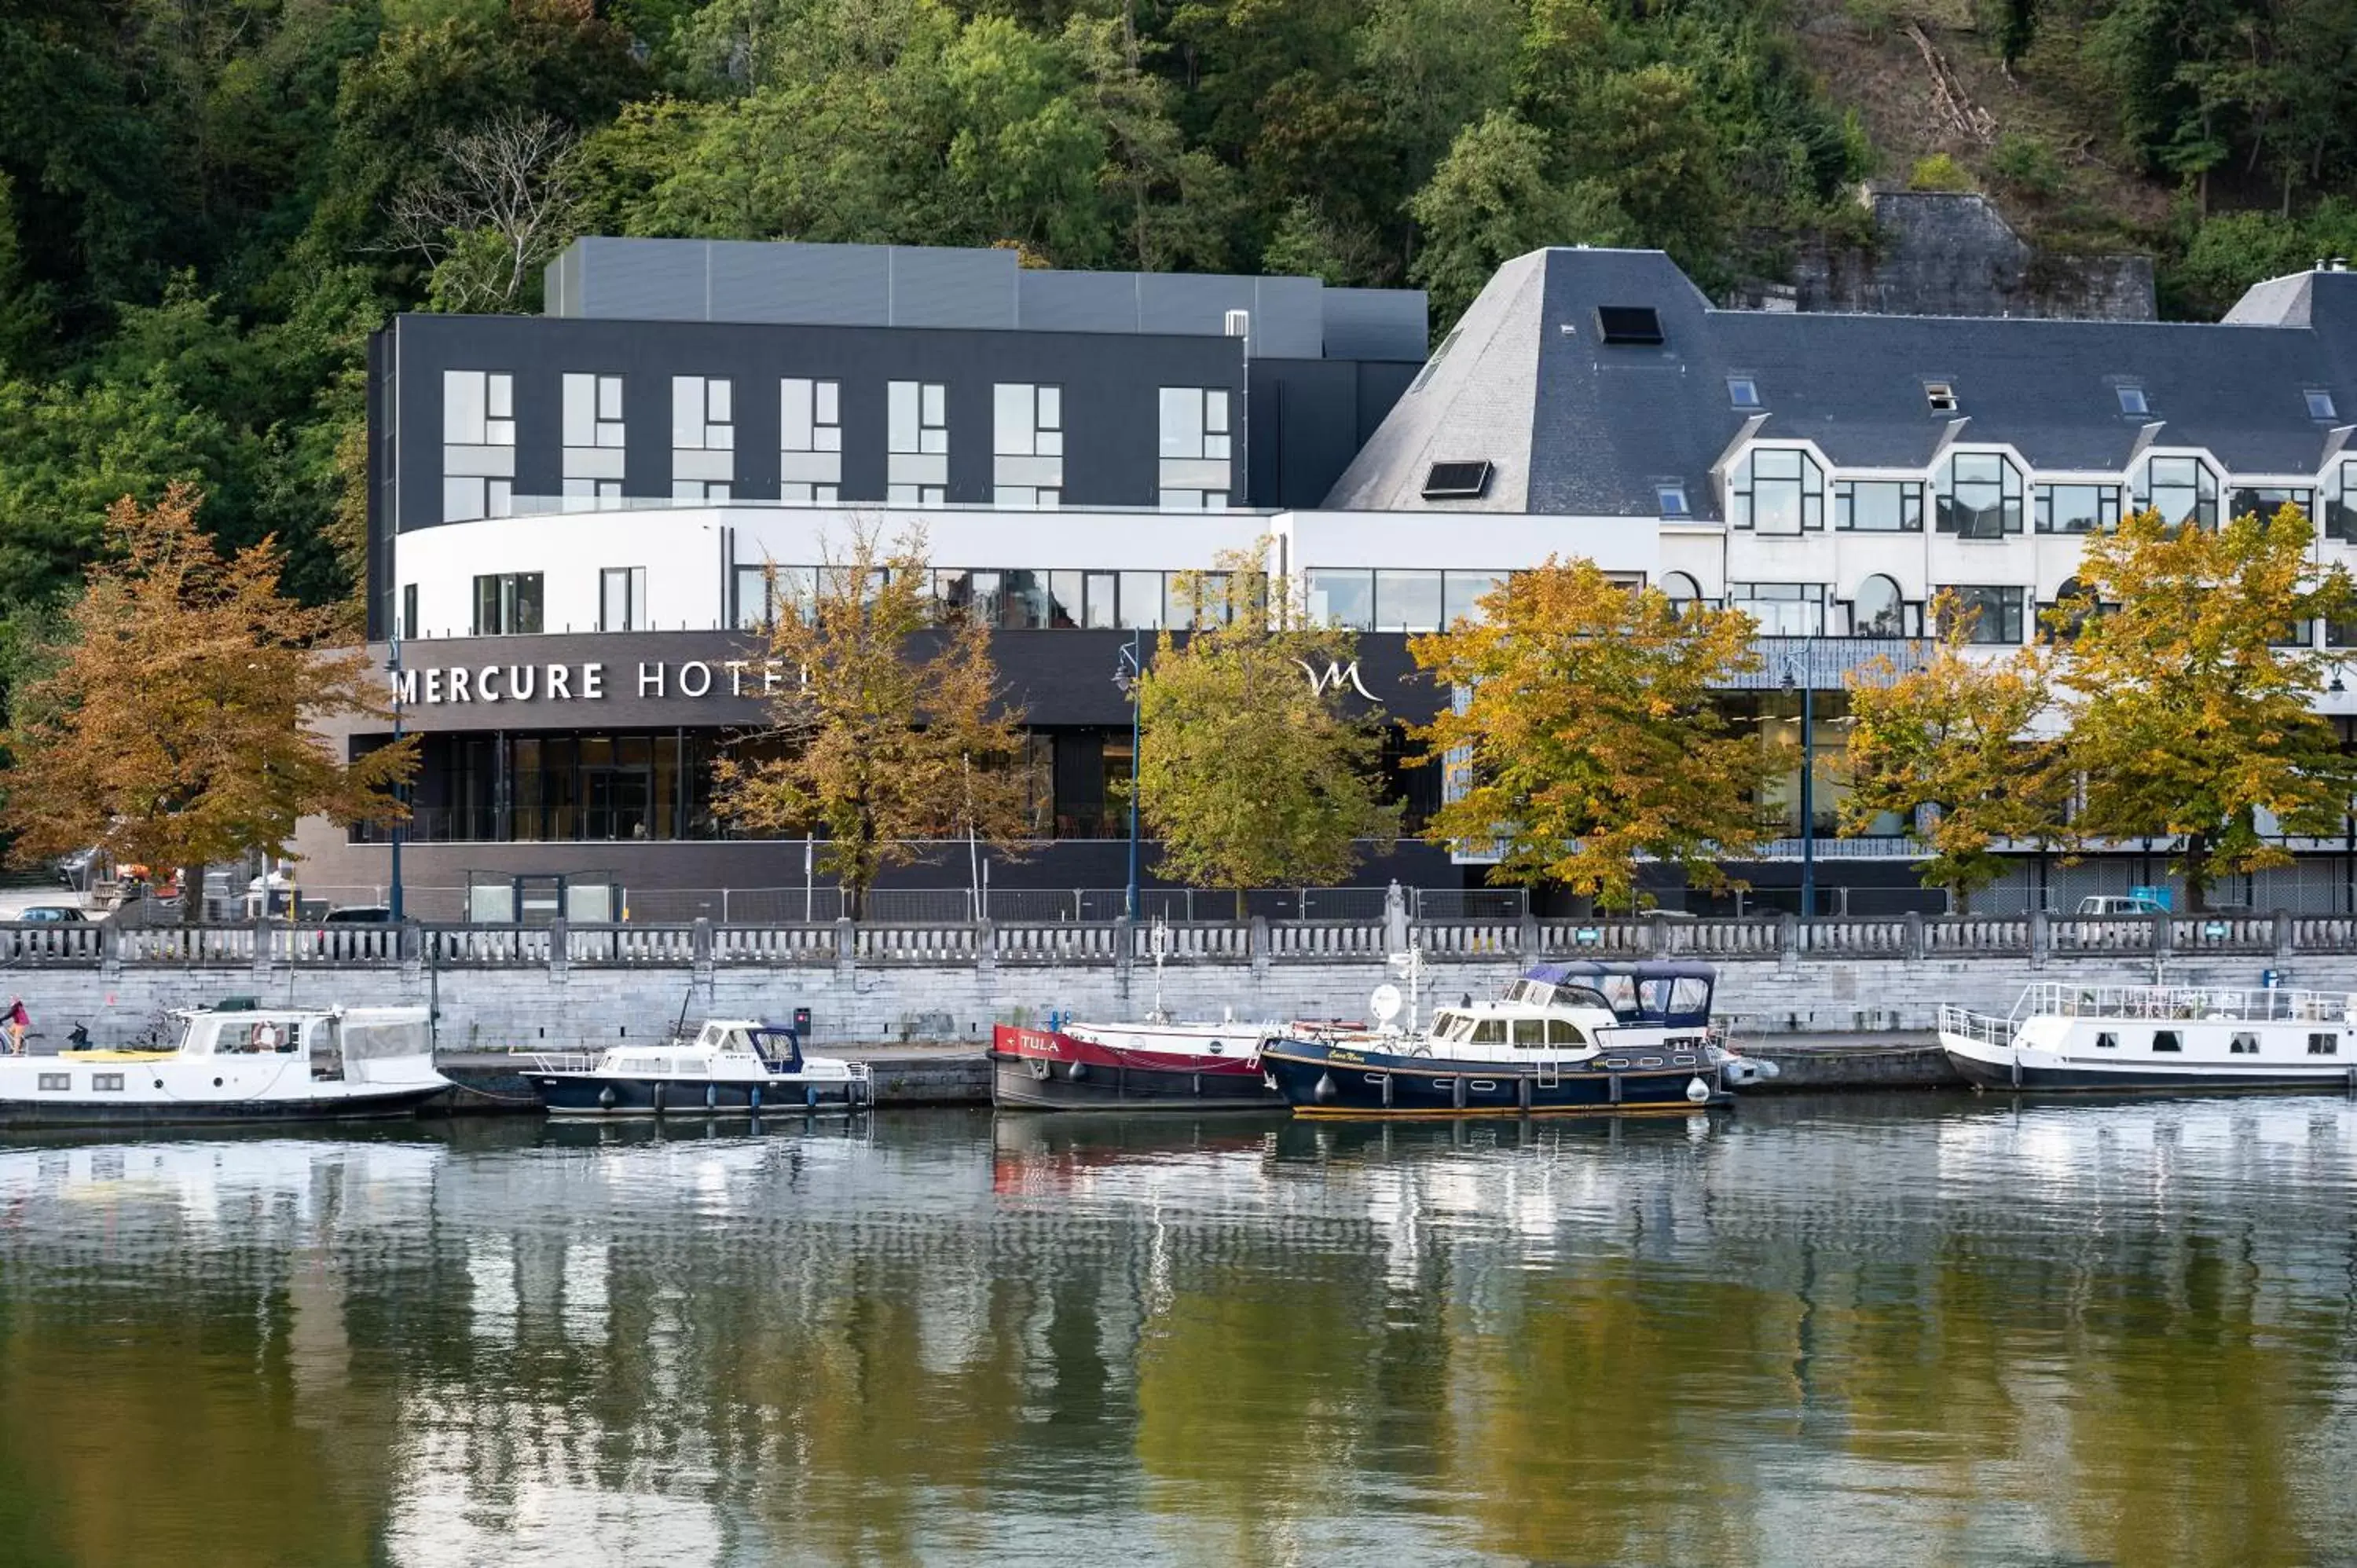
{"x":1875,"y":1330}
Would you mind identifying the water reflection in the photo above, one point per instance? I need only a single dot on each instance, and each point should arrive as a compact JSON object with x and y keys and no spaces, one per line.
{"x":1840,"y":1331}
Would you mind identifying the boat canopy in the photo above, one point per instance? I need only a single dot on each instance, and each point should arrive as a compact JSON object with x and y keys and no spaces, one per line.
{"x":1672,"y":993}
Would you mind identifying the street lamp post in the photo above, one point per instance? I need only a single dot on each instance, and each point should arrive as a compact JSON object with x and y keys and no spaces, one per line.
{"x":393,"y":903}
{"x":1125,"y":676}
{"x":1802,"y":672}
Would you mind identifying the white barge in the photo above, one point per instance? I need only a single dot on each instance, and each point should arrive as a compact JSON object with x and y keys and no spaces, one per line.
{"x":2061,"y":1035}
{"x":234,"y":1064}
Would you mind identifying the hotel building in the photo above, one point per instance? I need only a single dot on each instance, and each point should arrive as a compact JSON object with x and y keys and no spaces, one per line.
{"x":573,"y":516}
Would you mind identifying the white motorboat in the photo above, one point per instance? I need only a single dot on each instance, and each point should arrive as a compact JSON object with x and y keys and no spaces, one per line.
{"x":237,"y":1064}
{"x":736,"y":1066}
{"x":2061,"y":1036}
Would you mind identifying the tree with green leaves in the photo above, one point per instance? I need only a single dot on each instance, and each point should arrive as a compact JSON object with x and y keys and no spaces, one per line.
{"x":1255,"y":767}
{"x":2190,"y":686}
{"x":1962,"y":749}
{"x":890,"y":730}
{"x":1585,"y":738}
{"x":1495,"y":196}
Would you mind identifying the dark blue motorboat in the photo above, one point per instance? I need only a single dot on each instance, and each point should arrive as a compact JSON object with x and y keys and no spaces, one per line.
{"x":1587,"y":1036}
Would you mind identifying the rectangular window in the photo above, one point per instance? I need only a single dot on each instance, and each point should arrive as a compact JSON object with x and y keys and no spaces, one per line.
{"x":1183,"y":592}
{"x":622,"y":598}
{"x":477,"y":445}
{"x":1775,"y":489}
{"x":967,"y":593}
{"x":1026,"y":445}
{"x":1878,"y":506}
{"x":2265,"y":500}
{"x":1141,"y":600}
{"x":703,"y":439}
{"x":1194,"y":473}
{"x":2340,"y":501}
{"x":54,"y":1082}
{"x":2324,"y":1045}
{"x":1407,"y":601}
{"x":1672,"y":499}
{"x":2165,"y":1040}
{"x":2132,"y":400}
{"x":2078,"y":509}
{"x":1461,"y":594}
{"x":2319,"y":404}
{"x":507,"y":604}
{"x":810,"y":441}
{"x":754,"y":590}
{"x":2242,"y":1045}
{"x":1940,"y":395}
{"x":409,"y":610}
{"x":1065,"y":608}
{"x":1996,"y":612}
{"x":593,"y":438}
{"x":1103,"y":601}
{"x":916,"y":443}
{"x":1978,"y":496}
{"x":106,"y":1082}
{"x":1743,"y":391}
{"x":1343,"y":598}
{"x":2181,"y":489}
{"x":1782,"y":609}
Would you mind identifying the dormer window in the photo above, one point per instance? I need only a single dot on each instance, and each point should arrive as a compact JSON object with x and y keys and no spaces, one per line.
{"x":1978,"y":496}
{"x":1743,"y":391}
{"x":1940,"y":395}
{"x":2182,"y":490}
{"x":2319,"y":404}
{"x":2132,"y":400}
{"x":1672,"y":499}
{"x":1776,"y":490}
{"x":1628,"y":324}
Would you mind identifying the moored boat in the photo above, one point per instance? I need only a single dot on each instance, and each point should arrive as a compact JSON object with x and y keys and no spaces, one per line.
{"x":2061,"y":1035}
{"x":1152,"y":1065}
{"x":237,"y":1064}
{"x":1565,"y":1038}
{"x":733,"y":1066}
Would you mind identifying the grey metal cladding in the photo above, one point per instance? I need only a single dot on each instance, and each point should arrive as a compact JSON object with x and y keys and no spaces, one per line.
{"x":1077,"y":302}
{"x":1286,"y":323}
{"x":952,"y":287}
{"x":641,"y":280}
{"x":1376,"y":324}
{"x":788,"y":284}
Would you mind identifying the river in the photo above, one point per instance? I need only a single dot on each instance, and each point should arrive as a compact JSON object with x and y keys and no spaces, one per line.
{"x":1866,"y":1329}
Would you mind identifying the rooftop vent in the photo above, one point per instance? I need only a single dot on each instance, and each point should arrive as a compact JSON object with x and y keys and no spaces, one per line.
{"x":1457,"y":482}
{"x":1628,"y":324}
{"x":1942,"y":395}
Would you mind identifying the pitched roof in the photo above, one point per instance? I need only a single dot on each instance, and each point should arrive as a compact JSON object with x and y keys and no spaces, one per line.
{"x":1578,"y":426}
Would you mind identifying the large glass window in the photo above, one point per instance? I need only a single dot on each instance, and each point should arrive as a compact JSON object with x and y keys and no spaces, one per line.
{"x":409,"y":610}
{"x":507,"y":604}
{"x":2265,"y":500}
{"x":703,"y":439}
{"x":1345,"y":598}
{"x":1196,"y":442}
{"x":916,"y":443}
{"x":1880,"y":609}
{"x":1878,"y":506}
{"x":1777,"y":491}
{"x":1026,"y":445}
{"x":2078,"y":509}
{"x":975,"y":593}
{"x":1782,"y":609}
{"x":1683,"y":592}
{"x":1996,"y":611}
{"x":1023,"y":601}
{"x":1979,"y":496}
{"x":2180,"y":489}
{"x":477,"y":445}
{"x":1463,"y":593}
{"x":1141,"y":600}
{"x":1407,"y":601}
{"x":593,"y":429}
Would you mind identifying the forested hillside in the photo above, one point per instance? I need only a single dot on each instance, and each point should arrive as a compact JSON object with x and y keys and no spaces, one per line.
{"x":206,"y":205}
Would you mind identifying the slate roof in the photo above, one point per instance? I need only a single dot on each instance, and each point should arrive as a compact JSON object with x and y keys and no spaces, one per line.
{"x":1580,"y":427}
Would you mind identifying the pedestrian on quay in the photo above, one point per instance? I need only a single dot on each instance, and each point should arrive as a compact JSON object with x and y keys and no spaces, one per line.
{"x":19,"y":1022}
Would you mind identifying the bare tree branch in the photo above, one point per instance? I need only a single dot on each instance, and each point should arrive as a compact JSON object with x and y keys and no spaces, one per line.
{"x":500,"y":206}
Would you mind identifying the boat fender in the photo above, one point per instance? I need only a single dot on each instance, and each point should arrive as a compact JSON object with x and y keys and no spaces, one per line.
{"x":753,"y":1098}
{"x":711,"y":1097}
{"x":606,"y":1097}
{"x":1077,"y":1071}
{"x":1324,"y":1090}
{"x":659,"y":1099}
{"x":809,"y":1097}
{"x":1697,"y":1091}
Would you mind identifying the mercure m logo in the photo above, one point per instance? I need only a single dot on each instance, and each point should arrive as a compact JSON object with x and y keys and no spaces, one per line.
{"x":1334,"y":677}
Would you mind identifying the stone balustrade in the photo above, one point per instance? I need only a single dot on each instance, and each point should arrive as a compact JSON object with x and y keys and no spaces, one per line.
{"x":846,"y":944}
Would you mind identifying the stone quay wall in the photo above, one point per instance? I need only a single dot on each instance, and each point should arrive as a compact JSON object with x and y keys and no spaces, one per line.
{"x":501,"y":987}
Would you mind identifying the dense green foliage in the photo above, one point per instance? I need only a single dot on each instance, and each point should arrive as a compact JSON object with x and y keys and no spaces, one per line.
{"x":206,"y":205}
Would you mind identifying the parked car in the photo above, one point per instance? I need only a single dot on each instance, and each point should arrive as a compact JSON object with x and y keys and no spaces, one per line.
{"x":2098,"y":906}
{"x":360,"y":915}
{"x":51,"y":914}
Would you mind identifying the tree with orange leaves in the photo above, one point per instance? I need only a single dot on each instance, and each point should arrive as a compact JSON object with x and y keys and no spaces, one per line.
{"x":1584,"y":739}
{"x":172,"y":726}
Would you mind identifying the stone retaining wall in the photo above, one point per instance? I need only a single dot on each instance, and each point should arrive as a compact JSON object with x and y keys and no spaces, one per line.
{"x":535,"y":1006}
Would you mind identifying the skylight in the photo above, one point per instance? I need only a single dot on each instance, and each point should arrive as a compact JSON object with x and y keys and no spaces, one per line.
{"x":1633,"y":324}
{"x":2320,"y":404}
{"x":1942,"y":395}
{"x":1743,"y":391}
{"x":1673,"y":500}
{"x":2132,"y":399}
{"x":1457,"y":481}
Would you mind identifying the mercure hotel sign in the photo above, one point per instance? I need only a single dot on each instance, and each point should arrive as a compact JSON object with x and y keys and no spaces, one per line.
{"x":588,"y":682}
